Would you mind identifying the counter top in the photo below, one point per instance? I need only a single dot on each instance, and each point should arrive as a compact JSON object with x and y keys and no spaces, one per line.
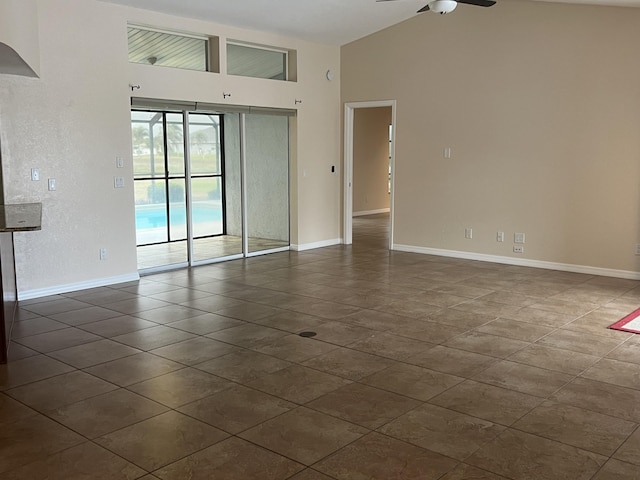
{"x":20,"y":217}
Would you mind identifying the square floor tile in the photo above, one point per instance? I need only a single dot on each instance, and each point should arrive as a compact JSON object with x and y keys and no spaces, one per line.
{"x":83,"y":461}
{"x":89,"y":354}
{"x":630,"y":450}
{"x":58,"y":339}
{"x":113,"y":327}
{"x":467,"y":472}
{"x":30,"y":369}
{"x":578,"y":427}
{"x":35,"y":326}
{"x":180,"y":387}
{"x":376,"y":456}
{"x":391,"y":346}
{"x":619,"y":373}
{"x":485,"y":344}
{"x":488,"y":402}
{"x":237,"y":409}
{"x":526,"y":332}
{"x":617,"y":470}
{"x":523,"y":378}
{"x":85,"y":315}
{"x":557,"y":359}
{"x":154,"y":337}
{"x":12,"y":411}
{"x":168,"y":314}
{"x":578,"y":341}
{"x":295,"y":348}
{"x":231,"y":459}
{"x":460,"y":319}
{"x":340,"y":333}
{"x":161,"y":440}
{"x":134,"y":369}
{"x":107,"y":412}
{"x":601,"y":397}
{"x":205,"y":323}
{"x":412,"y":381}
{"x":243,"y":366}
{"x":248,"y":336}
{"x":347,"y":363}
{"x":452,"y":361}
{"x":61,"y":390}
{"x":195,"y":350}
{"x":430,"y":332}
{"x":528,"y":457}
{"x":31,"y":439}
{"x":298,"y":384}
{"x":363,"y":405}
{"x":304,"y":435}
{"x":55,"y":306}
{"x":309,"y":474}
{"x":443,"y":431}
{"x":135,"y":305}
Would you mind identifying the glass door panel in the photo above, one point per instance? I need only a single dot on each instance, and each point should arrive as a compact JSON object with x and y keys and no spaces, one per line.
{"x":160,"y":207}
{"x":267,"y":181}
{"x":215,"y":186}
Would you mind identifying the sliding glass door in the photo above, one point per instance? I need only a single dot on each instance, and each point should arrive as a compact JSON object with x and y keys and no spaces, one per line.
{"x":209,"y":186}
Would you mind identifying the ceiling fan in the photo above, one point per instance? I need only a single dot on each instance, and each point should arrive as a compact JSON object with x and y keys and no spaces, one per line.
{"x":448,"y":6}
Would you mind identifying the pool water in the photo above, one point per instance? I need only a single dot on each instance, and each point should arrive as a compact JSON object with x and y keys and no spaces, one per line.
{"x":155,"y":216}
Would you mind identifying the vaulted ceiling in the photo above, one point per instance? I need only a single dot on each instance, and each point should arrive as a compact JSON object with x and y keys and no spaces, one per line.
{"x":333,"y":22}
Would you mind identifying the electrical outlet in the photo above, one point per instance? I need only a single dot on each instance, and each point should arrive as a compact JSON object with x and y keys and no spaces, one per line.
{"x":35,"y":175}
{"x":518,"y":238}
{"x":518,"y":249}
{"x":468,"y":233}
{"x":118,"y":182}
{"x":500,"y":237}
{"x":103,"y":253}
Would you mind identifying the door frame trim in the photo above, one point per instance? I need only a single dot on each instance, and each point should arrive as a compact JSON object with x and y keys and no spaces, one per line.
{"x":349,"y":114}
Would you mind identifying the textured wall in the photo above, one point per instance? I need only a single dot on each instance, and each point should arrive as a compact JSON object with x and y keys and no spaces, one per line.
{"x":74,"y":121}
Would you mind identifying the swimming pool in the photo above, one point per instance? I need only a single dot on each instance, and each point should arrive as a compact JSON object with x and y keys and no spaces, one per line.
{"x":155,"y":216}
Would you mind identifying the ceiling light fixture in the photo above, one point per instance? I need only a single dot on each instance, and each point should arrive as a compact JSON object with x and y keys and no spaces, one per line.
{"x":442,"y":6}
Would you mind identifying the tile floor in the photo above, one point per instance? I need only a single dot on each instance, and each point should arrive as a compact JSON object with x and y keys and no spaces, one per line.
{"x":162,"y":254}
{"x":423,"y":367}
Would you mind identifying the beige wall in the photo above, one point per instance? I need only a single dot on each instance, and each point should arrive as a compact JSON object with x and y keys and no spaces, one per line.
{"x":540,"y":104}
{"x":371,"y":159}
{"x":73,"y":122}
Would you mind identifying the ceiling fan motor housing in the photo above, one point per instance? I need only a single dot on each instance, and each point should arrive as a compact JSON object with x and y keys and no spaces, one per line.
{"x":443,"y":6}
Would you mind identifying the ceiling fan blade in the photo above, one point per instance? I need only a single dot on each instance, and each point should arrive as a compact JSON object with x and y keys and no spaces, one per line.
{"x":478,"y":3}
{"x":424,"y":9}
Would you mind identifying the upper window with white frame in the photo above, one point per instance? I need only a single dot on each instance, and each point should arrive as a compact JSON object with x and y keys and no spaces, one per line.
{"x":248,"y":60}
{"x":156,"y":47}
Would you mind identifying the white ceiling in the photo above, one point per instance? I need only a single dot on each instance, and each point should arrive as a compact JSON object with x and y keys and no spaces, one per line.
{"x":322,"y":21}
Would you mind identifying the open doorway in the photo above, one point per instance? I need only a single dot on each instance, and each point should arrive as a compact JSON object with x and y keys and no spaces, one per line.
{"x":368,"y":170}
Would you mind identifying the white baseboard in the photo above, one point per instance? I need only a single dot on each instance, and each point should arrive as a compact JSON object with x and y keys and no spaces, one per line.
{"x":370,"y":212}
{"x":311,"y":246}
{"x":521,"y":262}
{"x":74,"y":287}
